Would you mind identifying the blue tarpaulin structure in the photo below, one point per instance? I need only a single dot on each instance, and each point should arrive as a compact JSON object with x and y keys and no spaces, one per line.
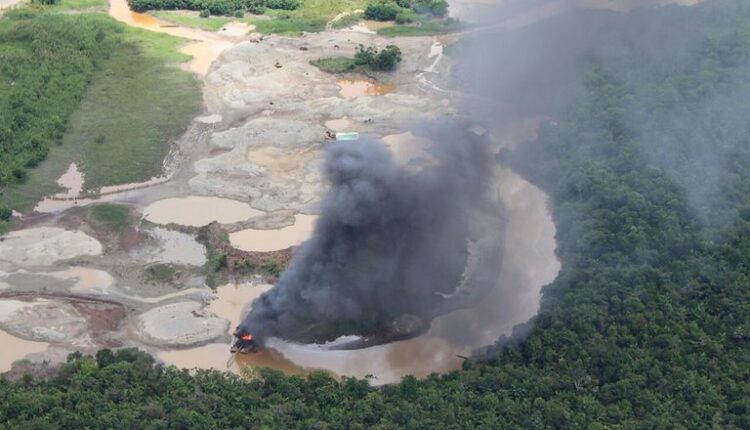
{"x":349,"y":135}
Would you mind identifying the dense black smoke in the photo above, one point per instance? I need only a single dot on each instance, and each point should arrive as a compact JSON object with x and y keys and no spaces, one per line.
{"x":398,"y":245}
{"x":390,"y":246}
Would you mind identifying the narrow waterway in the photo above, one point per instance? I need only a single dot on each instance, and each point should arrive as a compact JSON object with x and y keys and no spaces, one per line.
{"x":204,"y":49}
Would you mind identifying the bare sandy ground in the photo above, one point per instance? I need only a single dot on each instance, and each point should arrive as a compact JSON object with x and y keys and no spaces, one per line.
{"x":5,"y":4}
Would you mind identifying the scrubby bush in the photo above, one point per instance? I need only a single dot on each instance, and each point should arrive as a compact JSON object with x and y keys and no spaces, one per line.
{"x":365,"y":55}
{"x":432,"y":7}
{"x":239,"y":14}
{"x":282,"y":4}
{"x":205,"y":13}
{"x":404,"y":17}
{"x":5,"y":213}
{"x":385,"y":60}
{"x":256,"y":7}
{"x":382,"y":11}
{"x":214,"y":7}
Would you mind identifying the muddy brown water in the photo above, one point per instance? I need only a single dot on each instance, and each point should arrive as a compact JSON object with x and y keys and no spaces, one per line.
{"x":72,"y":180}
{"x":255,"y":240}
{"x":14,"y":348}
{"x":231,"y":303}
{"x":409,"y":149}
{"x":198,"y":211}
{"x":529,"y":263}
{"x":87,"y":280}
{"x":353,"y":88}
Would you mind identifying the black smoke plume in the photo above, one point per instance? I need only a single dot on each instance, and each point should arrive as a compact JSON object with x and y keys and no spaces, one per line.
{"x":391,"y":246}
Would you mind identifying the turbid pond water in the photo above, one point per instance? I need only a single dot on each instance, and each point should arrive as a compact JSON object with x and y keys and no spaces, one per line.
{"x":273,"y":240}
{"x":198,"y":211}
{"x":353,"y":88}
{"x":14,"y":348}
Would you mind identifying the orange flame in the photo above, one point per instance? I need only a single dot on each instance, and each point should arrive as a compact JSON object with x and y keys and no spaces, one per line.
{"x":247,"y":337}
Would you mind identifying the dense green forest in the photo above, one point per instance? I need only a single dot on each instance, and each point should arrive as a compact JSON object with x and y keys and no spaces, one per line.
{"x":647,"y":326}
{"x":46,"y":64}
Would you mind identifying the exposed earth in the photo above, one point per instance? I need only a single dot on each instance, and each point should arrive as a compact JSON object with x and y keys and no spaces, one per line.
{"x":251,"y":165}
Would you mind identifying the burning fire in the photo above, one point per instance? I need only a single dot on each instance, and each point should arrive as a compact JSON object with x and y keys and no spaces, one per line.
{"x":247,"y":337}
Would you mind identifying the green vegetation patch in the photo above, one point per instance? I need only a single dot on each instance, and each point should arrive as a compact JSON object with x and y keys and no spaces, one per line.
{"x":215,"y":262}
{"x":273,"y":268}
{"x":289,"y":23}
{"x":347,"y":20}
{"x":365,"y":58}
{"x":311,"y":16}
{"x":130,"y":115}
{"x":46,"y":63}
{"x":113,"y":217}
{"x":135,"y":104}
{"x":81,"y":5}
{"x":421,"y":26}
{"x":335,"y":64}
{"x":162,"y":273}
{"x":214,"y":7}
{"x":413,"y":17}
{"x":211,"y":23}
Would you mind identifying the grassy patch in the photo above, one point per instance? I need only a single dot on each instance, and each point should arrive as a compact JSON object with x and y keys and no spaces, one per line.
{"x":311,"y":16}
{"x":113,"y":217}
{"x":163,"y":273}
{"x":335,"y":64}
{"x":160,"y":46}
{"x":348,"y":20}
{"x":136,"y":104}
{"x":212,"y":23}
{"x":289,"y":23}
{"x":216,"y":261}
{"x":273,"y":268}
{"x":422,"y":27}
{"x":82,"y":5}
